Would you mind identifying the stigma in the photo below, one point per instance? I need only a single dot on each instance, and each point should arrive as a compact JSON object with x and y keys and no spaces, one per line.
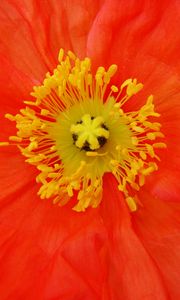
{"x":76,"y":129}
{"x":90,"y":133}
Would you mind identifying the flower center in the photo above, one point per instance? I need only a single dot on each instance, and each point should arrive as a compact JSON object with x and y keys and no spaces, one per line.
{"x":90,"y":133}
{"x":76,"y":130}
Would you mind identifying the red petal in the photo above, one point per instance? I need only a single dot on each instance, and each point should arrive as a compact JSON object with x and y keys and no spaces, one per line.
{"x":43,"y":247}
{"x":32,"y":32}
{"x":59,"y":253}
{"x":15,"y":174}
{"x":49,"y":252}
{"x":157,"y":225}
{"x":15,"y":87}
{"x":131,"y":33}
{"x":17,"y":41}
{"x":131,"y":273}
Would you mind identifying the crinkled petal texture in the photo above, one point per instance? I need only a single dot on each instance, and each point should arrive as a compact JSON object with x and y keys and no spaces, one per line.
{"x":53,"y":253}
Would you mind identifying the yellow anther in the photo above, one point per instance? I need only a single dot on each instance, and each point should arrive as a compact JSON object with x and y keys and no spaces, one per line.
{"x":32,"y":146}
{"x":121,"y":188}
{"x":52,"y":175}
{"x":32,"y":138}
{"x":156,"y":126}
{"x":70,"y":190}
{"x":117,"y":105}
{"x":138,"y":129}
{"x":15,"y":139}
{"x":44,"y":112}
{"x":61,"y":54}
{"x":159,"y":145}
{"x":4,"y":144}
{"x":10,"y":117}
{"x":150,"y":100}
{"x":100,"y":70}
{"x":114,"y":162}
{"x":53,"y":148}
{"x":36,"y":158}
{"x":31,"y":103}
{"x":153,"y":165}
{"x":126,"y":83}
{"x":135,"y":165}
{"x":72,"y":55}
{"x":147,"y":171}
{"x":43,"y":126}
{"x":143,"y":155}
{"x":133,"y":88}
{"x":134,"y":140}
{"x":150,"y":150}
{"x":87,"y":62}
{"x":131,"y":203}
{"x":44,"y":168}
{"x":121,"y":112}
{"x":141,"y":180}
{"x":151,"y":136}
{"x":135,"y":185}
{"x":48,"y":75}
{"x":159,"y":134}
{"x":112,"y":70}
{"x":114,"y":89}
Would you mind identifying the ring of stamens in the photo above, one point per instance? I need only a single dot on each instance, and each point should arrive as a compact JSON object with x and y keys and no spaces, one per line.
{"x":77,"y":130}
{"x":90,"y":133}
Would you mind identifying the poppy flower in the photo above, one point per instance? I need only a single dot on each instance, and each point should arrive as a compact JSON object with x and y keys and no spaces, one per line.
{"x":113,"y":232}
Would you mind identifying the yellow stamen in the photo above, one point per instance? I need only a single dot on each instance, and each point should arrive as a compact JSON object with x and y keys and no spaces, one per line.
{"x":78,"y":131}
{"x":131,"y":203}
{"x":4,"y":144}
{"x":15,"y":139}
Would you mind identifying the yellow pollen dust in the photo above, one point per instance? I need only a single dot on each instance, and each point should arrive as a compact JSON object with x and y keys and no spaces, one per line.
{"x":76,"y":130}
